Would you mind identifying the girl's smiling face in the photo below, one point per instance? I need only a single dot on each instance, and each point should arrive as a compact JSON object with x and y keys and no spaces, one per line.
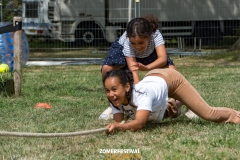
{"x":116,"y":92}
{"x":138,"y":43}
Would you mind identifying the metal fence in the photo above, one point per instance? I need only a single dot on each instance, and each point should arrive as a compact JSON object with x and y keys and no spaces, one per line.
{"x":74,"y":28}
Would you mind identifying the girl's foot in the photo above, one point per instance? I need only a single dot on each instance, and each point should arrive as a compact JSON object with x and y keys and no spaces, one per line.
{"x":107,"y":114}
{"x":188,"y":113}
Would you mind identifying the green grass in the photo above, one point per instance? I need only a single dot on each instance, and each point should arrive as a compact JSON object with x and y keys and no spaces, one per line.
{"x":77,"y":99}
{"x":84,"y":53}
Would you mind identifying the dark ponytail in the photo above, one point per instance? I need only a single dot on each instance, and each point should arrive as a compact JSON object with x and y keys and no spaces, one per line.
{"x":153,"y":21}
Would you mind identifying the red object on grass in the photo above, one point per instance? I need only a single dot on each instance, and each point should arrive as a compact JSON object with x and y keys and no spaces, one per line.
{"x":42,"y":105}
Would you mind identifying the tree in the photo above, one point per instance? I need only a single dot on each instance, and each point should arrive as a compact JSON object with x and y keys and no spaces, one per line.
{"x":10,"y":9}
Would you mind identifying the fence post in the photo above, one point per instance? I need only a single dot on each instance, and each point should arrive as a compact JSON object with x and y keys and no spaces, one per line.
{"x":137,"y":8}
{"x":17,"y":39}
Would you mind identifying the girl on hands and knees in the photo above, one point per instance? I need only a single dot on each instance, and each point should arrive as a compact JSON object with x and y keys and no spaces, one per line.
{"x":148,"y":99}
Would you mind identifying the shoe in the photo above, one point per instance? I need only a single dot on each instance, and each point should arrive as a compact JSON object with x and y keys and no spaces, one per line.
{"x":107,"y":114}
{"x":188,"y":113}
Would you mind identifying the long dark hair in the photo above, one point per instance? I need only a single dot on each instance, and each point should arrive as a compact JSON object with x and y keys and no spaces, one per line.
{"x":124,"y":76}
{"x":142,"y":27}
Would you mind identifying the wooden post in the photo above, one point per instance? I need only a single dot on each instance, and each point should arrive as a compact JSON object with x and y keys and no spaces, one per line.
{"x":17,"y":39}
{"x":195,"y":44}
{"x":183,"y":45}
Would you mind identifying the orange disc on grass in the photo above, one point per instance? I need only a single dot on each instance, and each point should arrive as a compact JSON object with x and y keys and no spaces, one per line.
{"x":42,"y":105}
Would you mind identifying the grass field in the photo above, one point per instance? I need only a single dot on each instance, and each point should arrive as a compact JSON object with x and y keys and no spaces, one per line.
{"x":77,"y":98}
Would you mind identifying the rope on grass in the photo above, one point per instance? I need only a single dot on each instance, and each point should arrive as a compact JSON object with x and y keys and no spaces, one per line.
{"x":44,"y":135}
{"x":67,"y":134}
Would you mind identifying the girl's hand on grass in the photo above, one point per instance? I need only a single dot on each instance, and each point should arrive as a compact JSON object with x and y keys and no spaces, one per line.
{"x":111,"y":128}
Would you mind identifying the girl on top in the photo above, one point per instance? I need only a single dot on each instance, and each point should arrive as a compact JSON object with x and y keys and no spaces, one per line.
{"x":141,"y":44}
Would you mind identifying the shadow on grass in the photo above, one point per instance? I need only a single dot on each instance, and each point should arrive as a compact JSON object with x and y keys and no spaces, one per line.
{"x":175,"y":123}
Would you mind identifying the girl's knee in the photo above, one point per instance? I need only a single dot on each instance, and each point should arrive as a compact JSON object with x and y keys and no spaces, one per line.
{"x":105,"y":69}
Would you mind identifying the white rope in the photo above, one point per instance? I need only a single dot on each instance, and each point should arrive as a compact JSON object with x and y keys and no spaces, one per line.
{"x":67,"y":134}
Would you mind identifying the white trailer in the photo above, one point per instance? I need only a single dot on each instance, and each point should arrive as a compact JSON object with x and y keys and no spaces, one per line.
{"x":35,"y":18}
{"x":90,"y":20}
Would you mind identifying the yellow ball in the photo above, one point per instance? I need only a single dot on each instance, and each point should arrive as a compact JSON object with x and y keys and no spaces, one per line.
{"x":4,"y":68}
